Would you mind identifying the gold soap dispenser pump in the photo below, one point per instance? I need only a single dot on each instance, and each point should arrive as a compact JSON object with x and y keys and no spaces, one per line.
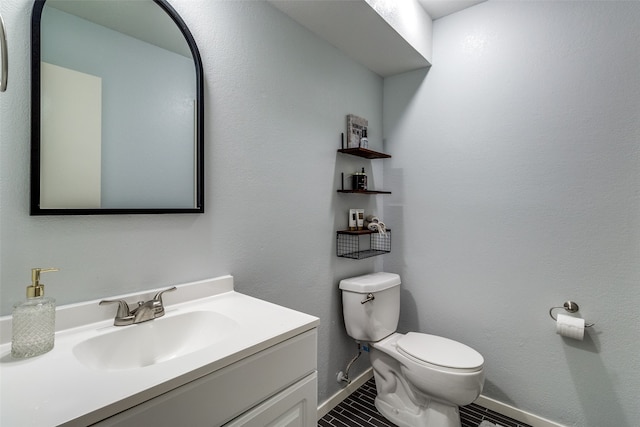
{"x":34,"y":320}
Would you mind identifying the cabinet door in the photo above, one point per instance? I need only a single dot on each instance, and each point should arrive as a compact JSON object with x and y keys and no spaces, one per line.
{"x":295,"y":406}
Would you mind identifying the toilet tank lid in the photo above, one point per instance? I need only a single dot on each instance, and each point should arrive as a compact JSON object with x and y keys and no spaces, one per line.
{"x":373,"y":282}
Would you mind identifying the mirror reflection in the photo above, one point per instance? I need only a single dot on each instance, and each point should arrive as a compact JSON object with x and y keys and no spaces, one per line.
{"x":117,"y":109}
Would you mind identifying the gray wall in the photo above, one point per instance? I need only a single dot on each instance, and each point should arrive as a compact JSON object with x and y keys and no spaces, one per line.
{"x":515,"y":171}
{"x":276,"y":102}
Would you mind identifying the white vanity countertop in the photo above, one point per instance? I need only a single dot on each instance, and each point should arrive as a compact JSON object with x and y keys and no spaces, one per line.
{"x":56,"y":389}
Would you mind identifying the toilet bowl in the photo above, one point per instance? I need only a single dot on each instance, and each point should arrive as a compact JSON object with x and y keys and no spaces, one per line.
{"x":431,"y":391}
{"x":421,"y":379}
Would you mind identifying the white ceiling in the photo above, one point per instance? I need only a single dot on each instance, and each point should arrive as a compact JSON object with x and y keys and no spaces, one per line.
{"x":439,"y":8}
{"x":376,"y":44}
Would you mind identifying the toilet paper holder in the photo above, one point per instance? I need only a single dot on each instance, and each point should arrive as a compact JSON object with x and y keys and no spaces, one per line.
{"x":571,"y":307}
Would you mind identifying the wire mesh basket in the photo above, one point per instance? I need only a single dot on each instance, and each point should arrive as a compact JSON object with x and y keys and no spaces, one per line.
{"x":362,"y":244}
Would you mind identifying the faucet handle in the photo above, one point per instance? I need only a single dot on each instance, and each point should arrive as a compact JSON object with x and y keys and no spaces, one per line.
{"x":123,"y":307}
{"x":158,"y":304}
{"x":159,"y":294}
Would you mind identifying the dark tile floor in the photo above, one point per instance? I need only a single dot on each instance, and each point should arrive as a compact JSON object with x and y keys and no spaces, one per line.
{"x":358,"y":410}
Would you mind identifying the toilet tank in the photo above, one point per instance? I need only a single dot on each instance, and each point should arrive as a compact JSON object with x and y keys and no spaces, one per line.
{"x":378,"y":318}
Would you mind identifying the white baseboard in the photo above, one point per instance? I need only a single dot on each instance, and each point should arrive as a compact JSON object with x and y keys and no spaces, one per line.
{"x":515,"y":413}
{"x":341,"y":395}
{"x":487,"y":402}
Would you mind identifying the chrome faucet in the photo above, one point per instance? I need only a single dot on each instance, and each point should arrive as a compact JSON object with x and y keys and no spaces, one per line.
{"x":145,"y":310}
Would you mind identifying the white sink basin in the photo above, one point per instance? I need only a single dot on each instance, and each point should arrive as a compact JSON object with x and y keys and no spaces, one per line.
{"x":155,"y":341}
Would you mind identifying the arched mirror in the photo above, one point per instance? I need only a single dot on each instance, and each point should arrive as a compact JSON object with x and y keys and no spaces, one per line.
{"x":117,"y":109}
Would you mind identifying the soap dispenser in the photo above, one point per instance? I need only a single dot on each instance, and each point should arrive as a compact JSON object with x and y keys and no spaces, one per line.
{"x":33,"y":323}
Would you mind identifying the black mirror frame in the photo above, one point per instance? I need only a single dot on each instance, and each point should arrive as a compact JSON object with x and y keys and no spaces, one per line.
{"x":35,"y":208}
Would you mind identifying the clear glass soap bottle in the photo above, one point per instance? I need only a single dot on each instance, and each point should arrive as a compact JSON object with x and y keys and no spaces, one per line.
{"x":34,"y":320}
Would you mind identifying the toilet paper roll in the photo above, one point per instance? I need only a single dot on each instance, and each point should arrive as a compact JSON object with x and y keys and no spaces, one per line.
{"x":570,"y":327}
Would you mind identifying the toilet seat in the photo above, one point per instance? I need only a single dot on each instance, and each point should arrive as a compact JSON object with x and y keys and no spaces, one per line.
{"x":440,"y":352}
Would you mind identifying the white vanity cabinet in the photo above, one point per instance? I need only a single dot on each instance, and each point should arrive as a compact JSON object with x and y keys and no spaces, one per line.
{"x":273,"y":387}
{"x":217,"y":357}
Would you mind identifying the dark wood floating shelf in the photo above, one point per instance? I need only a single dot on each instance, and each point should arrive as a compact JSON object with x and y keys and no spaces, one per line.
{"x":364,"y":192}
{"x":364,"y":152}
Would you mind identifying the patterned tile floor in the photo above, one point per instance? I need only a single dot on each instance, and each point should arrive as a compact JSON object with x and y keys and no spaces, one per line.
{"x":358,"y":410}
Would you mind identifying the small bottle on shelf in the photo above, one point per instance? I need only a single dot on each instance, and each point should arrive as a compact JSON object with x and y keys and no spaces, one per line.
{"x":359,"y":181}
{"x":364,"y":141}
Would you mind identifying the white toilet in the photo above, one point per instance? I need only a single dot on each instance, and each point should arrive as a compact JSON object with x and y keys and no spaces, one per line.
{"x":421,"y":379}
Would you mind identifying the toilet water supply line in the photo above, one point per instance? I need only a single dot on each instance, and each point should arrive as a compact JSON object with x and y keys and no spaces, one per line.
{"x":345,"y":377}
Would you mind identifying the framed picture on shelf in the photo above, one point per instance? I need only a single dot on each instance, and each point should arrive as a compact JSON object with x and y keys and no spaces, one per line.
{"x":356,"y":128}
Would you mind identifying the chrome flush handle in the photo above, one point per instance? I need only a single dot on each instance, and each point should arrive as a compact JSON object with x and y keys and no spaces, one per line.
{"x":369,"y":297}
